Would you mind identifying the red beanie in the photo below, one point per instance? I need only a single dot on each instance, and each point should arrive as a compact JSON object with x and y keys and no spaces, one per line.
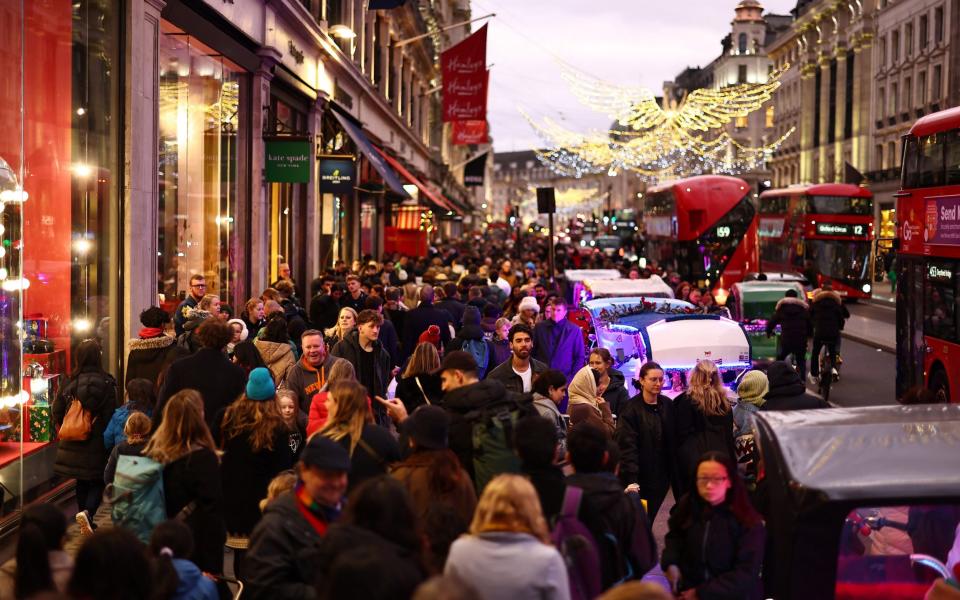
{"x":432,"y":335}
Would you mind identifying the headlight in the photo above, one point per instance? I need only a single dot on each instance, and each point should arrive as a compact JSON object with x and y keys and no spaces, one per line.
{"x":866,"y":288}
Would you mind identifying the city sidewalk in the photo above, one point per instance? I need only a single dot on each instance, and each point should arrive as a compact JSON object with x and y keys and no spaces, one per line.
{"x":872,"y":332}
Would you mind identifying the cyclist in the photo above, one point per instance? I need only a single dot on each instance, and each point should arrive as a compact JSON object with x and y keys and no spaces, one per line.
{"x":828,"y":315}
{"x":793,"y":316}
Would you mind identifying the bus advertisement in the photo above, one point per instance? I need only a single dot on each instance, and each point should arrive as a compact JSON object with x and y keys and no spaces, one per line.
{"x":824,"y":231}
{"x":928,"y":258}
{"x":703,"y":228}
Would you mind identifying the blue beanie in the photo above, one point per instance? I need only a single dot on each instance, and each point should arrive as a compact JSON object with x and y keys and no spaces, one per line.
{"x":260,"y":385}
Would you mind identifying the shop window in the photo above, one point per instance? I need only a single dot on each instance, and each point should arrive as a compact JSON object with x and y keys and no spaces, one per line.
{"x":768,"y":118}
{"x":288,"y":201}
{"x":199,"y":106}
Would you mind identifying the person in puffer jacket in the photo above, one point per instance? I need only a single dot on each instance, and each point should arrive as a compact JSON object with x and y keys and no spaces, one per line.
{"x":152,"y":350}
{"x":276,"y":349}
{"x":793,"y":316}
{"x":142,"y":397}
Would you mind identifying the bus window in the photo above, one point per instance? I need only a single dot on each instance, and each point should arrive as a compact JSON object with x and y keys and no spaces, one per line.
{"x":940,"y":300}
{"x":911,"y":158}
{"x":930,"y":172}
{"x":952,"y":157}
{"x":839,"y":205}
{"x":660,"y":203}
{"x":776,"y":205}
{"x":848,"y":262}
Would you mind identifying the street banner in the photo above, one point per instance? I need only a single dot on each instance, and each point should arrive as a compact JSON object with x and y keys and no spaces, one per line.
{"x":287,"y":160}
{"x":465,"y":79}
{"x":385,"y":4}
{"x":942,"y":223}
{"x":469,"y":132}
{"x":337,"y":175}
{"x":474,"y":171}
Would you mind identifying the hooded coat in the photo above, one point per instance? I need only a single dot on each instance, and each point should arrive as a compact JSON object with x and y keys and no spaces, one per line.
{"x":793,"y":317}
{"x":149,"y":357}
{"x":828,"y":314}
{"x":278,"y":356}
{"x":472,"y":331}
{"x":787,"y":391}
{"x":616,"y":393}
{"x":583,"y":405}
{"x":462,"y":401}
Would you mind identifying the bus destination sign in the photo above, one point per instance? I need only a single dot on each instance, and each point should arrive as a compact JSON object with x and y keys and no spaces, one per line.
{"x":942,"y":223}
{"x":843,"y":229}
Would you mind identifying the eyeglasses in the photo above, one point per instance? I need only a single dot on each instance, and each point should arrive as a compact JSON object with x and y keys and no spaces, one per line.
{"x":710,"y":480}
{"x":199,"y":285}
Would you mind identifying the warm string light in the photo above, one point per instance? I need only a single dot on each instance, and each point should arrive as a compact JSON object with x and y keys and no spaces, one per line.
{"x":680,"y":138}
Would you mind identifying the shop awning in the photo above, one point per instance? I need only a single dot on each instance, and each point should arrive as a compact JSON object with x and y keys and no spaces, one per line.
{"x":376,"y":159}
{"x":433,"y":196}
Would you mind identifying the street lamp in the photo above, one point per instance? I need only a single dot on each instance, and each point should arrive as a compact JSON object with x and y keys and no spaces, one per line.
{"x":342,"y":32}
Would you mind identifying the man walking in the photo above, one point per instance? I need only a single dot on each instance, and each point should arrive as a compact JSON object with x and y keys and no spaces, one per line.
{"x":362,"y":348}
{"x":518,"y":373}
{"x":198,"y":288}
{"x":559,"y":343}
{"x":354,"y":298}
{"x":310,"y":374}
{"x":420,"y":318}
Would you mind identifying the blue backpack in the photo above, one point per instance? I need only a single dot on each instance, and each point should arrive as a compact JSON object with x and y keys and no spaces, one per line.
{"x":137,"y":495}
{"x":481,"y":352}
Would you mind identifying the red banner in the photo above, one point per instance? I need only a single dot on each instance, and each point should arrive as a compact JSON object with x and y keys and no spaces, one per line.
{"x":470,"y":132}
{"x":465,"y":79}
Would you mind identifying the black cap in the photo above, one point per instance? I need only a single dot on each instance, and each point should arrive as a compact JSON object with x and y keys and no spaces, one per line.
{"x":458,"y":360}
{"x":428,"y":427}
{"x":323,"y":453}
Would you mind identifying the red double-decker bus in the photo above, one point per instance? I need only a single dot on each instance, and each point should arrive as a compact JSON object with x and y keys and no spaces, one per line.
{"x":824,"y":231}
{"x":704,"y":228}
{"x":928,"y":259}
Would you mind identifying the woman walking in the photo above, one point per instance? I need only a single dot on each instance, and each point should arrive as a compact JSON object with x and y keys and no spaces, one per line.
{"x":611,"y":381}
{"x":586,"y":403}
{"x":346,"y":322}
{"x":420,"y":382}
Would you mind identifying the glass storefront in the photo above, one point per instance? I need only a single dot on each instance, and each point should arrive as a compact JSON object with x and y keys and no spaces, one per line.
{"x":288,"y":201}
{"x":200,"y":103}
{"x":60,"y":220}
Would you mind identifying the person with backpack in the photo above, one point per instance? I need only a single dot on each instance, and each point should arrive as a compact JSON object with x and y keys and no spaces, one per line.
{"x":255,"y":445}
{"x":517,"y":373}
{"x":482,"y":418}
{"x":470,"y":339}
{"x":714,"y":547}
{"x":136,"y":432}
{"x":40,"y":565}
{"x":537,"y":447}
{"x":175,"y":577}
{"x":141,"y":397}
{"x":81,"y":412}
{"x":616,"y":520}
{"x":192,"y":486}
{"x":507,"y":553}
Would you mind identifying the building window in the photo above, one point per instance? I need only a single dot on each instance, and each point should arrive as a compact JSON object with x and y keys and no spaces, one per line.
{"x":879,"y":157}
{"x":937,"y":83}
{"x":742,"y":43}
{"x":895,"y":46}
{"x":938,"y":25}
{"x":832,"y":99}
{"x":908,"y":40}
{"x":924,"y":31}
{"x":922,"y":88}
{"x":848,"y":98}
{"x":907,"y":90}
{"x":741,"y":122}
{"x":741,"y":73}
{"x":768,"y":122}
{"x":883,"y":51}
{"x":894,"y":99}
{"x":882,"y":102}
{"x":892,"y":154}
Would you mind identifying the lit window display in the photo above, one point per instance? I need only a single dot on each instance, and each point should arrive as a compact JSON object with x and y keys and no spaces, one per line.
{"x":198,"y":119}
{"x":288,"y":217}
{"x":59,"y":220}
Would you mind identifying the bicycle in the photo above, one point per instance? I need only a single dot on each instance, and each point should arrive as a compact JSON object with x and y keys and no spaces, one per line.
{"x":827,"y":365}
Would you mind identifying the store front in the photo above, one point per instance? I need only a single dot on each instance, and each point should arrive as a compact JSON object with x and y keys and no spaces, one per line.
{"x":61,"y":176}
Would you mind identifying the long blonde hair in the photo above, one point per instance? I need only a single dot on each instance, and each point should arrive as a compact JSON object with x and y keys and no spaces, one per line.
{"x":510,"y":503}
{"x":411,"y":296}
{"x":182,"y":429}
{"x":706,"y":389}
{"x":425,"y":360}
{"x":258,"y":420}
{"x":348,"y":414}
{"x":338,"y":332}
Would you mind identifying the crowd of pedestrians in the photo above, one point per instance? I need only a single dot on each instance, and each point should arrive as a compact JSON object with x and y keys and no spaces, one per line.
{"x":409,"y":430}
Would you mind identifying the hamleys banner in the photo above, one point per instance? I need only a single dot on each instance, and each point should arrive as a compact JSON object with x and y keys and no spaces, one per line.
{"x":469,"y":132}
{"x":465,"y":79}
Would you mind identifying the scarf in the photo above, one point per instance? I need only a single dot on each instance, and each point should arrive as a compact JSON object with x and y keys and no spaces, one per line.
{"x":583,"y":389}
{"x":317,"y":515}
{"x":150,"y":332}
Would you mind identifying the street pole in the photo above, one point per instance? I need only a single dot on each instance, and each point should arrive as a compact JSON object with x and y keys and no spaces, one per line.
{"x":547,"y":203}
{"x":552,"y":258}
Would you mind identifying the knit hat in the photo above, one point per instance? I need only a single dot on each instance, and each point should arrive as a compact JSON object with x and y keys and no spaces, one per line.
{"x":432,"y":335}
{"x":260,"y":385}
{"x":458,"y":360}
{"x":323,"y":453}
{"x":428,"y":426}
{"x":471,"y":316}
{"x":754,"y":385}
{"x":530,"y":265}
{"x":243,"y":328}
{"x":529,"y":302}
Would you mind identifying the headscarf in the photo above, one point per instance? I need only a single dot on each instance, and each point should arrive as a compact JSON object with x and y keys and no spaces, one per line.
{"x":583,"y":388}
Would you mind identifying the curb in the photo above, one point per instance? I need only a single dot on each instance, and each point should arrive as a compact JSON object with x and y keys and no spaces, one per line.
{"x":871,"y":343}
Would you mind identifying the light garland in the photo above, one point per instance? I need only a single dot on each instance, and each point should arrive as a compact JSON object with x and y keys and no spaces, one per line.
{"x":682,"y":138}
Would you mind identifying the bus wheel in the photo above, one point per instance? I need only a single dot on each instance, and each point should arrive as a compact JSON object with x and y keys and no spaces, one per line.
{"x":940,"y":386}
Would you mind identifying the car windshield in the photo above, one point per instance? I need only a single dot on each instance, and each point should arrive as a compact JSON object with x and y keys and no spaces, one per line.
{"x":844,"y":261}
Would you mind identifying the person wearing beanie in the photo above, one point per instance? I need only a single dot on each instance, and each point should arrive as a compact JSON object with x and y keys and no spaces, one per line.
{"x":471,"y":339}
{"x":751,"y":393}
{"x":284,"y":556}
{"x":527,"y":312}
{"x":433,"y":476}
{"x":240,"y":334}
{"x":431,"y":336}
{"x":255,"y":447}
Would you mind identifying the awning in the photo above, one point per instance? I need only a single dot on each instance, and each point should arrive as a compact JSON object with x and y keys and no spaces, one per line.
{"x":433,"y":196}
{"x":356,"y":133}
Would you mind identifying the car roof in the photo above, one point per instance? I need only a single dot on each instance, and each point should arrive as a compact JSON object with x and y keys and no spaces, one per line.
{"x":868,"y":452}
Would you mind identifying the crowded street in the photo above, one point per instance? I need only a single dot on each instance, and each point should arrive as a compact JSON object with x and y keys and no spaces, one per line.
{"x":480,"y":300}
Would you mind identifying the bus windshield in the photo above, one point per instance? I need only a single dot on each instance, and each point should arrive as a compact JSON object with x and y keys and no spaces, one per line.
{"x":839,"y":205}
{"x":847,"y":262}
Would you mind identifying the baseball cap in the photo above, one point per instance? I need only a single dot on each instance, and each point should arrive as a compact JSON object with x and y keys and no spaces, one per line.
{"x":323,"y":453}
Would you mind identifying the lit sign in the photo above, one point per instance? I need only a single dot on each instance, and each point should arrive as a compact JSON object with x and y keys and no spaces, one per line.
{"x":937,"y":272}
{"x":723,"y":232}
{"x":858,"y":229}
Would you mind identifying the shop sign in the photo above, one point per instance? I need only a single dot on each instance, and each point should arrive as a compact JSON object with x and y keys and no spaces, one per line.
{"x":474,"y":171}
{"x":465,"y":79}
{"x":942,"y":223}
{"x":337,"y":175}
{"x":470,"y":132}
{"x":287,"y":160}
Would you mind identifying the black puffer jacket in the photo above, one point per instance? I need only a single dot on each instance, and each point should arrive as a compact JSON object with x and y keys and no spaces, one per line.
{"x":97,"y":392}
{"x":793,"y":317}
{"x":616,"y":393}
{"x":696,"y":433}
{"x":787,"y":391}
{"x":828,"y":314}
{"x":716,"y":554}
{"x":464,"y":400}
{"x":606,"y":511}
{"x":149,"y":357}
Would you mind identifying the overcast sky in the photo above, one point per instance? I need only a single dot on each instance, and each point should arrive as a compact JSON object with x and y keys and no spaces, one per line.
{"x":633,"y":42}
